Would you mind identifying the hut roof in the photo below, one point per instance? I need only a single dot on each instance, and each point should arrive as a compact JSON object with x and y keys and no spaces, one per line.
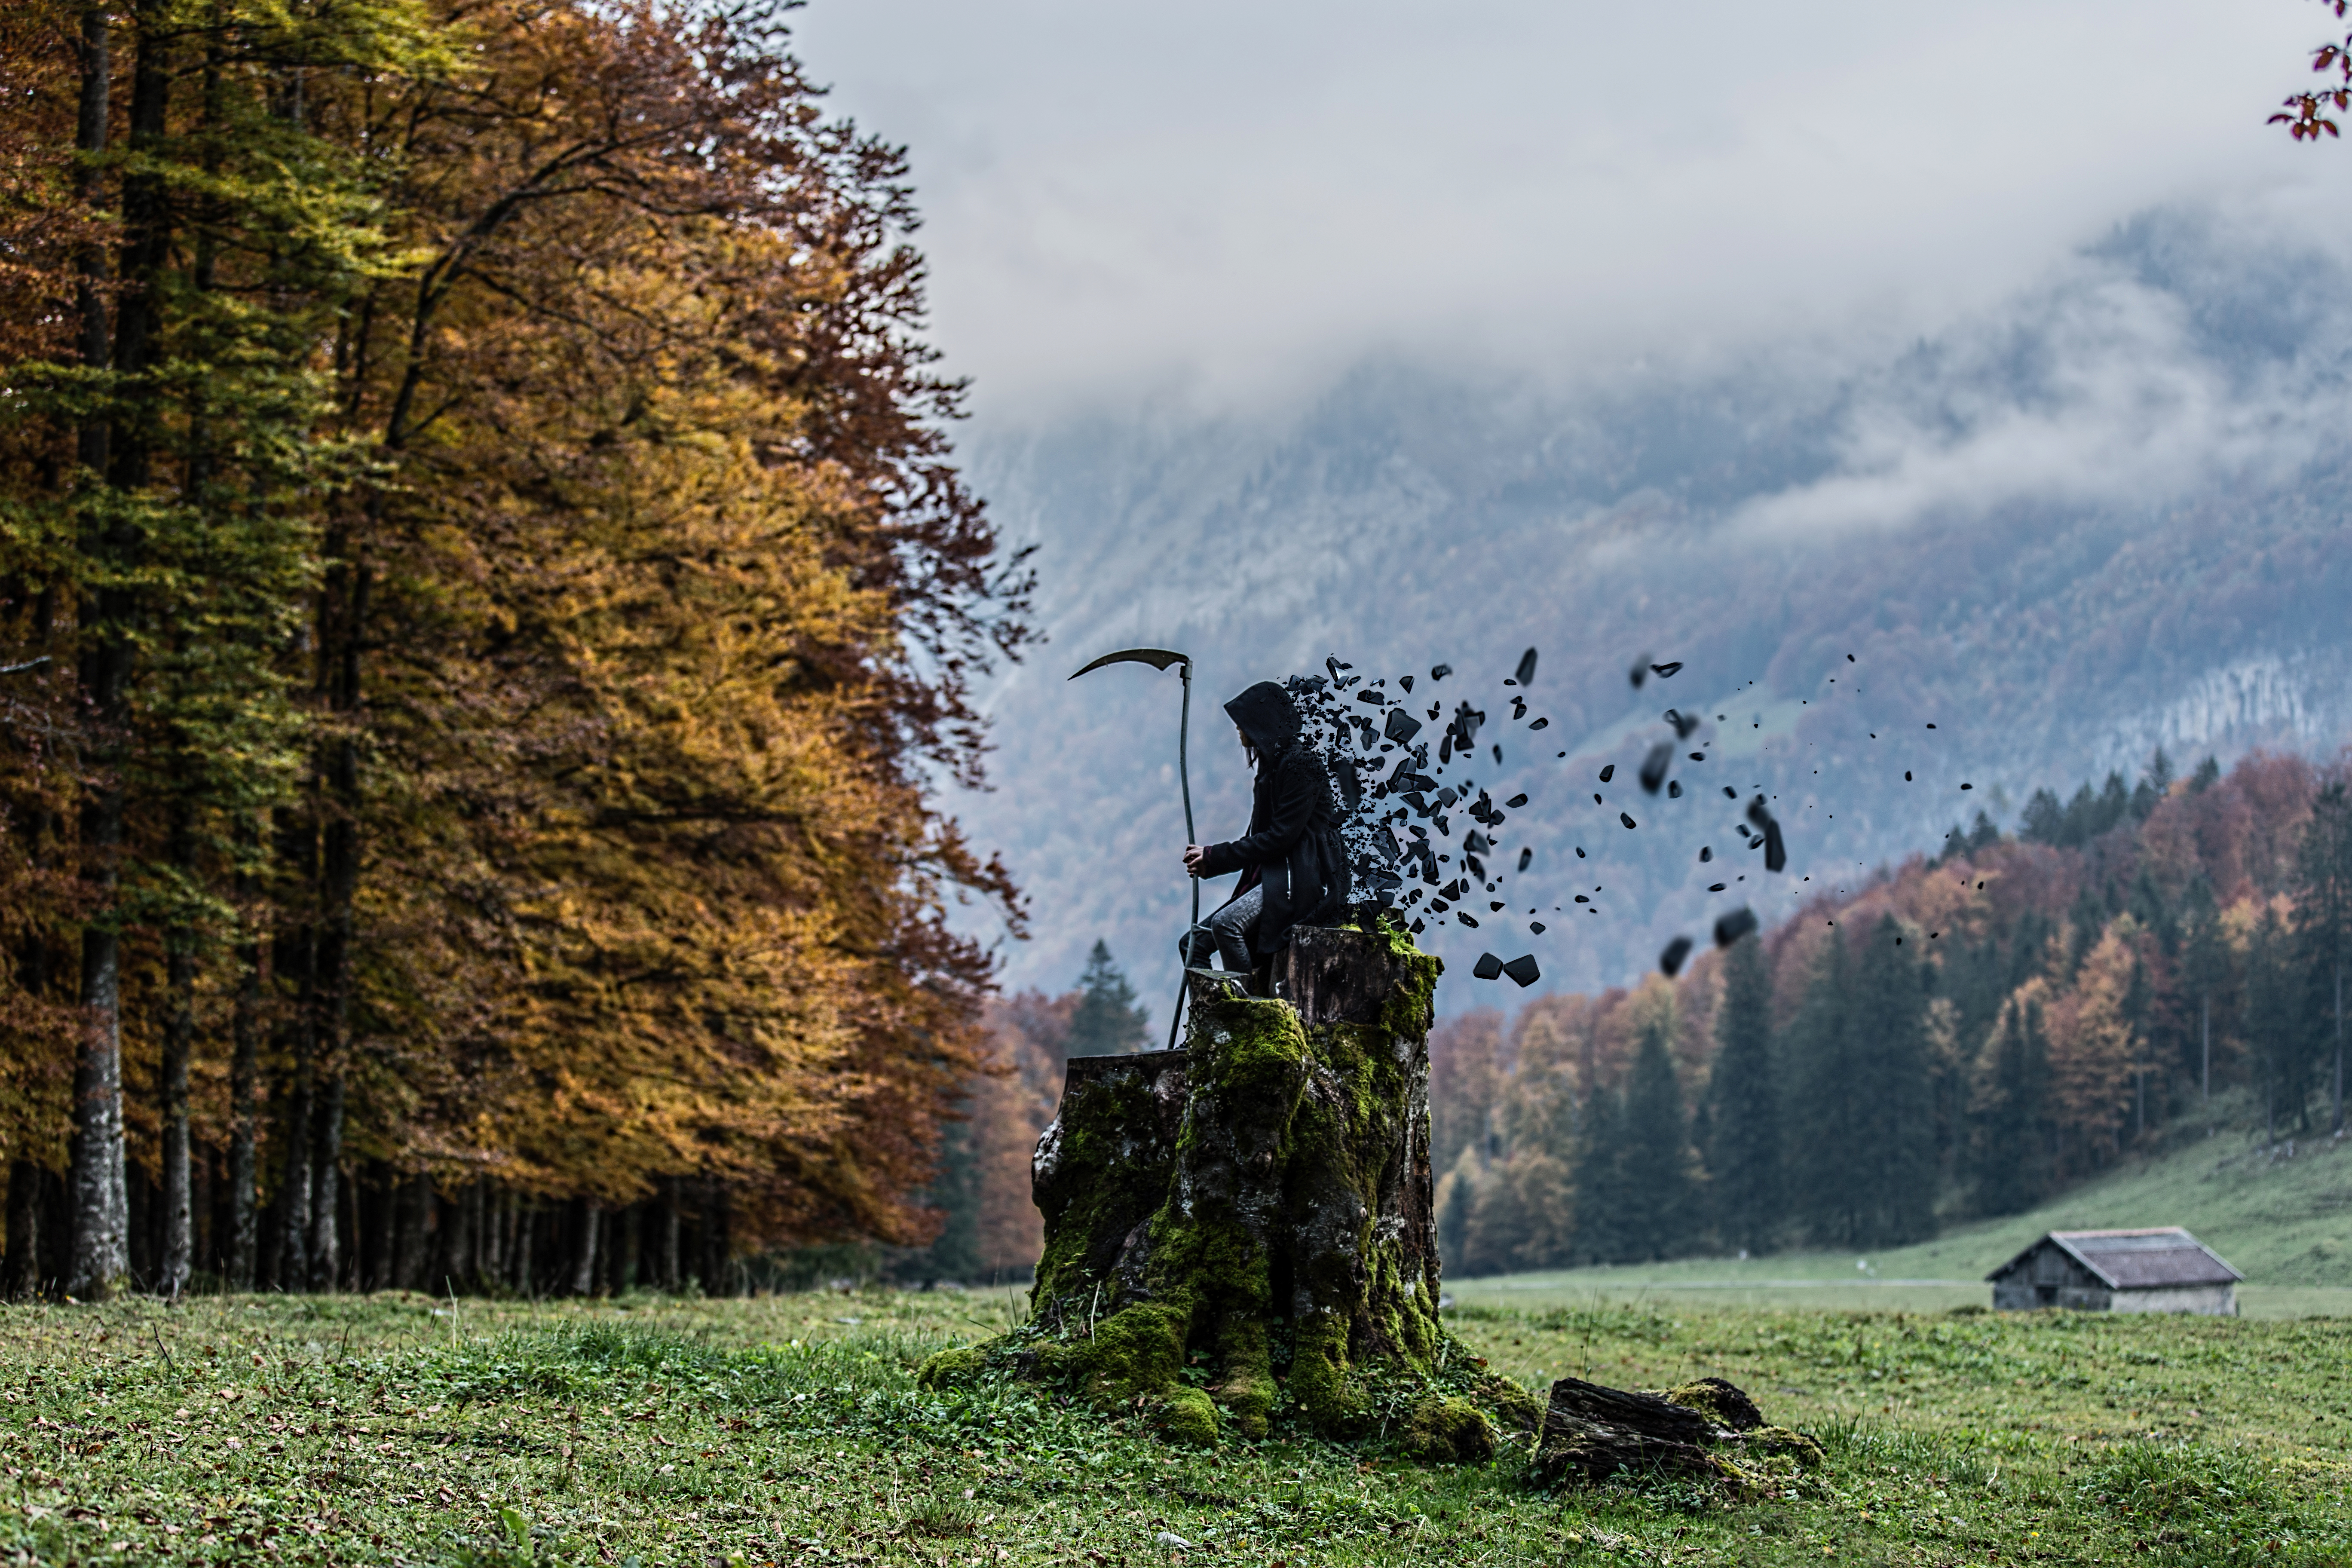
{"x":2135,"y":1259}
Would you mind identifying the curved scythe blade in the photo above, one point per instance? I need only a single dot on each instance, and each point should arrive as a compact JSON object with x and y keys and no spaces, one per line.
{"x":1157,"y":657}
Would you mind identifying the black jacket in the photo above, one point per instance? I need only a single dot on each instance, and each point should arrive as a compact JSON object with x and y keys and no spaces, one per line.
{"x":1293,"y":847}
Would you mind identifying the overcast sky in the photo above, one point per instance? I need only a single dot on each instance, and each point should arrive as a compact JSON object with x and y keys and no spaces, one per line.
{"x":1225,"y":203}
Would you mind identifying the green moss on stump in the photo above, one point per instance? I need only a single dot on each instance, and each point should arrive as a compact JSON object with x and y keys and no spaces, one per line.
{"x":1239,"y":1234}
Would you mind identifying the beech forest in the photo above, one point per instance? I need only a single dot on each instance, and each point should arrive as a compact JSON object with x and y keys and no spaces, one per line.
{"x":1968,"y":1034}
{"x":483,"y":588}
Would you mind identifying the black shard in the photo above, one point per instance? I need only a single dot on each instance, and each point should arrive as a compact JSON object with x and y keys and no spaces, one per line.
{"x":1776,"y":854}
{"x":1733,"y":926}
{"x":1527,"y":858}
{"x":1670,"y":963}
{"x":1580,"y":851}
{"x":1627,"y":820}
{"x":1729,"y":793}
{"x":1523,"y":968}
{"x":1405,"y":681}
{"x":1849,"y":658}
{"x":1714,"y":887}
{"x":1519,"y":708}
{"x":1608,"y":773}
{"x":1683,"y":724}
{"x":1640,"y":672}
{"x":1655,"y":766}
{"x":1465,"y":919}
{"x":1488,"y":967}
{"x":1705,"y":853}
{"x":1527,"y":670}
{"x":1440,"y":672}
{"x":1665,"y":672}
{"x":1536,"y":926}
{"x":1675,"y":789}
{"x":1540,"y":724}
{"x":1516,"y":801}
{"x":1907,"y":775}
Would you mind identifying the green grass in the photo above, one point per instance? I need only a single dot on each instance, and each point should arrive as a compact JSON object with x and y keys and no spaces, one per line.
{"x":2283,"y":1220}
{"x":396,"y":1429}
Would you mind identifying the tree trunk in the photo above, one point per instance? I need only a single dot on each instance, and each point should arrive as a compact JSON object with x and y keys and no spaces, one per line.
{"x":1254,"y":1210}
{"x":669,"y":1253}
{"x":20,"y":1274}
{"x":526,"y":1225}
{"x":325,"y":1205}
{"x":245,"y":1120}
{"x":584,"y":1265}
{"x":179,"y":1034}
{"x":624,"y":1272}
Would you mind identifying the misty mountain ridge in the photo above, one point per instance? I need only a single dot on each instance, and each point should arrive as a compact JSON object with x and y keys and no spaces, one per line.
{"x":2097,"y":522}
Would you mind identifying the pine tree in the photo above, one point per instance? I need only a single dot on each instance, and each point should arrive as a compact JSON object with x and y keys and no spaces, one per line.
{"x":2323,"y":904}
{"x":1861,"y":1119}
{"x":2275,"y":1008}
{"x":1658,"y":1218}
{"x":1894,"y":1173}
{"x":1743,"y":1089}
{"x":1108,"y":1021}
{"x":2008,"y":1112}
{"x":1819,"y":1125}
{"x":2208,"y":977}
{"x":1602,"y":1203}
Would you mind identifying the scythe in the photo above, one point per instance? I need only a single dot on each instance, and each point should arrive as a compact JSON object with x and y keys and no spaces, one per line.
{"x":1160,"y":658}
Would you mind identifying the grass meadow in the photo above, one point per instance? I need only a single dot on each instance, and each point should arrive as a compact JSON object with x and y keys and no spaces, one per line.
{"x":788,"y":1429}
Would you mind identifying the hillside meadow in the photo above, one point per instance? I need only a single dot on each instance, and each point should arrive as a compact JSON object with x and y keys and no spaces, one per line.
{"x":399,"y":1429}
{"x":2280,"y":1212}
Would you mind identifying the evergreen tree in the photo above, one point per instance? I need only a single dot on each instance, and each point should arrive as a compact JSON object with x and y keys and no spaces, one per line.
{"x":1108,"y":1021}
{"x":2323,"y":912}
{"x":1861,"y":1119}
{"x":2208,"y":775}
{"x":2208,"y":977}
{"x":955,"y":1194}
{"x":1743,"y":1092}
{"x":1818,"y":1121}
{"x":2274,"y":1021}
{"x":1984,"y":835}
{"x":2011,"y":1151}
{"x":1602,"y":1203}
{"x":1893,"y":1167}
{"x":2044,"y":818}
{"x":1658,"y":1218}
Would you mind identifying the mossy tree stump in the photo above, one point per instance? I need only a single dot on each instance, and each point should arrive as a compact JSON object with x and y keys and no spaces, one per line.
{"x":1240,"y":1230}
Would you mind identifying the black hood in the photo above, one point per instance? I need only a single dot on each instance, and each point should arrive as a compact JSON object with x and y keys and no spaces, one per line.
{"x":1266,"y":716}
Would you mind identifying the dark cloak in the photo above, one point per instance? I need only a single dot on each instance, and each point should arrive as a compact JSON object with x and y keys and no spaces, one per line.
{"x":1293,"y":847}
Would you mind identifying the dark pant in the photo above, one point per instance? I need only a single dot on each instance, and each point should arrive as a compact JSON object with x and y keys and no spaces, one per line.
{"x":1228,"y":934}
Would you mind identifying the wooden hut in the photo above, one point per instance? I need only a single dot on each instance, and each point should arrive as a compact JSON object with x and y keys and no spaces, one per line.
{"x":2160,"y":1271}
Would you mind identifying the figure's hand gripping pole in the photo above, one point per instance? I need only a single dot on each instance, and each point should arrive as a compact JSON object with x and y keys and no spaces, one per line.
{"x":1160,"y":658}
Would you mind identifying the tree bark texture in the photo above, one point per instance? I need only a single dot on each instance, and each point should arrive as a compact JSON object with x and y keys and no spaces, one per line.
{"x":1240,"y":1231}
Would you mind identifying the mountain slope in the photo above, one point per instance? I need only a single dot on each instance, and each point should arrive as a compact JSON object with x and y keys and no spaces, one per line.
{"x":2105,"y":521}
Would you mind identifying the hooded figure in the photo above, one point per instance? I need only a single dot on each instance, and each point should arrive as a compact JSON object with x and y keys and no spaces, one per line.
{"x":1293,"y":862}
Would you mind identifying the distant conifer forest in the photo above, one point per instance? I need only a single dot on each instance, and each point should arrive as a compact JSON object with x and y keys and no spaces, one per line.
{"x":1968,"y":1034}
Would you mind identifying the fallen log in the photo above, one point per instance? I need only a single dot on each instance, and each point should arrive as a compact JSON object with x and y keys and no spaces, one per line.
{"x":1707,"y":1428}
